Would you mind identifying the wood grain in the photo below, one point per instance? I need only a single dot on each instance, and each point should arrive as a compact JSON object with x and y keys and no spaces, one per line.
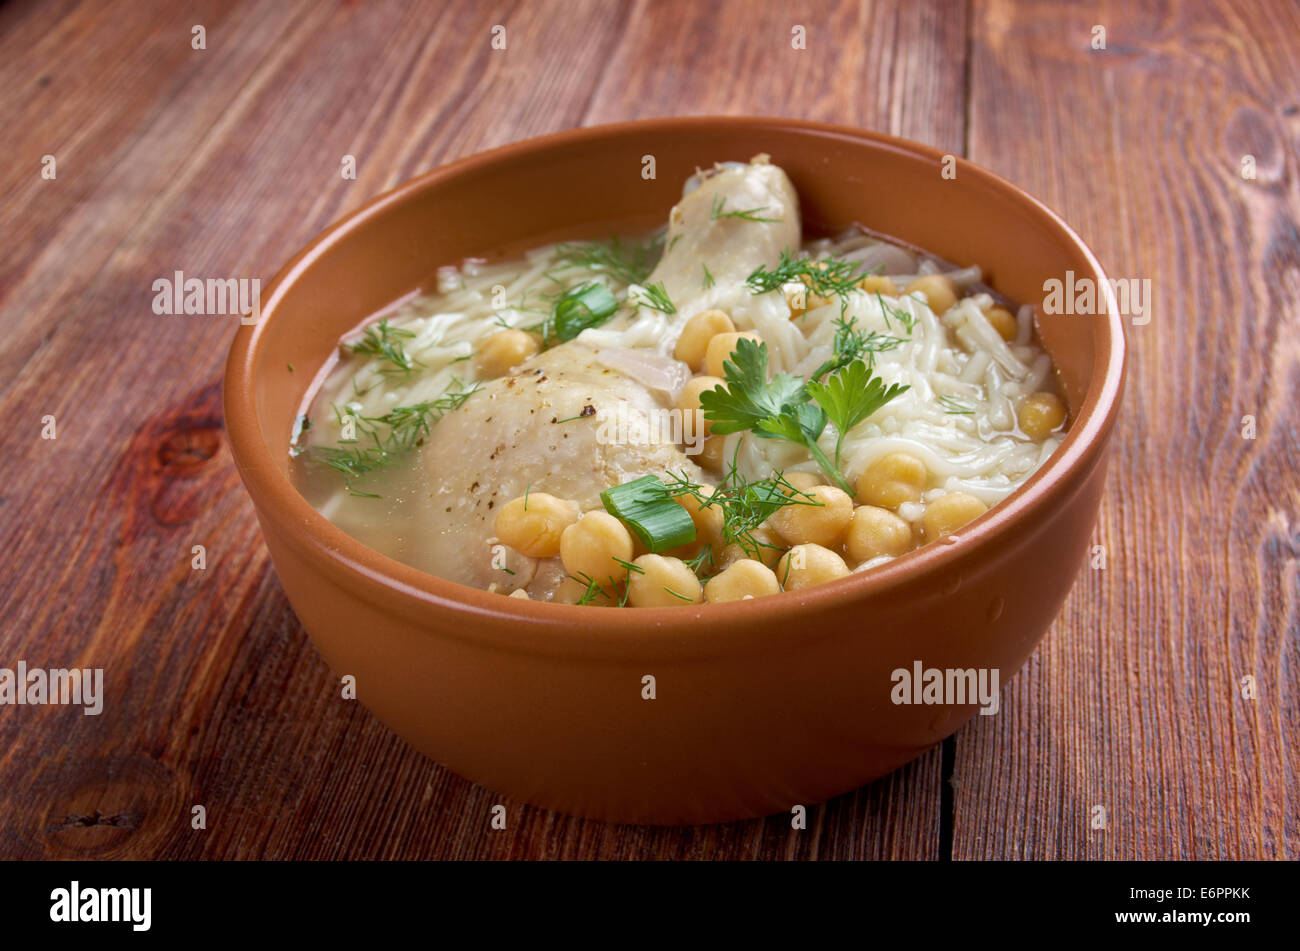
{"x":224,"y":161}
{"x":1134,"y":700}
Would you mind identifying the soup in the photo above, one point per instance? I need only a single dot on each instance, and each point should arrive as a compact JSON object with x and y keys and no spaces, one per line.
{"x":717,"y":411}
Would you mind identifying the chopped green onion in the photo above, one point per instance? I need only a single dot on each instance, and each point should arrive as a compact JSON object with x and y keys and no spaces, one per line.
{"x":652,"y":514}
{"x":588,"y":305}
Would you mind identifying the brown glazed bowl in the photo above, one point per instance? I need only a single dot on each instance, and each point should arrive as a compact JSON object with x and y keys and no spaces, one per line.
{"x":758,"y":706}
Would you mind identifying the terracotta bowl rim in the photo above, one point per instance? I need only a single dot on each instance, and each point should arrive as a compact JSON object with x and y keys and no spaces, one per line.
{"x":547,"y":629}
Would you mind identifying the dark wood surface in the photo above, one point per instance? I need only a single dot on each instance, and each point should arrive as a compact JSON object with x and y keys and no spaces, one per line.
{"x":224,"y":161}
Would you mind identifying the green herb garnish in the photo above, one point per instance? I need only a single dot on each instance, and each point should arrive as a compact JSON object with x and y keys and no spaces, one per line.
{"x":849,"y":397}
{"x":708,"y":276}
{"x":658,"y":521}
{"x":851,"y":344}
{"x":825,"y":277}
{"x":744,"y":504}
{"x":384,"y":438}
{"x":749,"y":214}
{"x":955,"y":406}
{"x":629,"y":263}
{"x":577,"y":309}
{"x":782,"y":409}
{"x":653,"y":296}
{"x":384,"y":342}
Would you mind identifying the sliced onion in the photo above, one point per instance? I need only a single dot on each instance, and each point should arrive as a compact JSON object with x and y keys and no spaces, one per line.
{"x":651,"y":370}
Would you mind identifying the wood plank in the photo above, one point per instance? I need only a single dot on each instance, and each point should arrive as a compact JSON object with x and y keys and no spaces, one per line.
{"x":223,"y":165}
{"x":1133,"y":702}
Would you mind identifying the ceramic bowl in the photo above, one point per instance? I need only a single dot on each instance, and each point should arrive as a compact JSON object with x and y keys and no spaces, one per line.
{"x":700,"y":713}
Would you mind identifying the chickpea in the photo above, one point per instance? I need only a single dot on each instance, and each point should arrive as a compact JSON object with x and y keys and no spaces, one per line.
{"x":879,"y":284}
{"x":822,"y":520}
{"x":803,"y":481}
{"x":707,"y":518}
{"x":589,"y":546}
{"x":1003,"y":321}
{"x":697,"y":333}
{"x":744,"y":579}
{"x":720,"y":348}
{"x":533,"y":523}
{"x":1041,"y":414}
{"x":950,"y":512}
{"x":711,"y":455}
{"x":806,"y":565}
{"x":875,"y":531}
{"x":891,"y":480}
{"x":939,"y":291}
{"x":571,"y":591}
{"x":765,"y":548}
{"x":663,"y":583}
{"x":689,"y":403}
{"x":504,"y":350}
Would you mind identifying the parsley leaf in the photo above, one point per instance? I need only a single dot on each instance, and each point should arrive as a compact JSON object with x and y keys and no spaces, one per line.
{"x":778,"y":409}
{"x":789,"y":408}
{"x":850,"y":396}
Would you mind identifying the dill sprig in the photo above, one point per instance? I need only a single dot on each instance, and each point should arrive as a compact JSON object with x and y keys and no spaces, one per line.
{"x":748,"y":214}
{"x":708,"y":276}
{"x":825,"y":277}
{"x":381,"y":439}
{"x":897,"y":313}
{"x":850,"y":344}
{"x":955,"y":406}
{"x":654,"y":296}
{"x":384,"y":342}
{"x":628,"y":262}
{"x":745,"y":505}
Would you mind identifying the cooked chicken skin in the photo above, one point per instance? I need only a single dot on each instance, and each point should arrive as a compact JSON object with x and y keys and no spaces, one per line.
{"x":545,"y":425}
{"x":731,"y":246}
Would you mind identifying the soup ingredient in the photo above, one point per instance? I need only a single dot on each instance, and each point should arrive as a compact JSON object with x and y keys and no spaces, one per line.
{"x":722,"y":347}
{"x":891,"y":480}
{"x":504,"y":350}
{"x":532,"y":524}
{"x":697,"y":333}
{"x":950,"y":512}
{"x":562,"y":420}
{"x":1003,"y":322}
{"x":849,"y":397}
{"x":379,"y":440}
{"x":628,"y":262}
{"x":939,"y":291}
{"x":385,"y":342}
{"x":576,"y":310}
{"x":744,"y":579}
{"x":879,"y":284}
{"x":1041,"y":414}
{"x":734,"y":512}
{"x":780,"y":408}
{"x":689,"y":403}
{"x":595,"y":548}
{"x":874,"y":531}
{"x":658,"y":521}
{"x":653,"y":296}
{"x":821,"y":522}
{"x":658,"y":581}
{"x":806,"y":565}
{"x":824,"y":279}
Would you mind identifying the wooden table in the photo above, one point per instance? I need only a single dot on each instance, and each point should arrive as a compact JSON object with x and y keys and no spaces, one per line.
{"x":224,"y":160}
